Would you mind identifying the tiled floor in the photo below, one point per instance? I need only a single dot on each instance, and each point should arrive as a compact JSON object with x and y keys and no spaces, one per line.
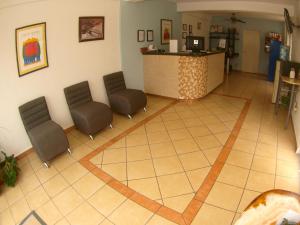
{"x":166,"y":160}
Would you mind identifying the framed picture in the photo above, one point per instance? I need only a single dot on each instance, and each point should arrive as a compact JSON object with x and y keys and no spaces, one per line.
{"x":190,"y":29}
{"x":184,"y":35}
{"x":184,"y":27}
{"x":31,"y":48}
{"x":166,"y":31}
{"x":141,"y":36}
{"x":150,"y":35}
{"x":91,"y":28}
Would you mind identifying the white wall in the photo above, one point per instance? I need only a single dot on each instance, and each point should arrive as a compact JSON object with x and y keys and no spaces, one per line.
{"x":69,"y":61}
{"x":296,"y":57}
{"x":193,"y":19}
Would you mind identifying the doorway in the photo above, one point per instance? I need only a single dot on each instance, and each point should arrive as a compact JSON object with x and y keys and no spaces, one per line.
{"x":250,"y":52}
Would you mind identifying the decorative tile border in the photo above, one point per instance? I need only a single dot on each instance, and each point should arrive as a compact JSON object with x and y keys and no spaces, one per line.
{"x":194,"y":206}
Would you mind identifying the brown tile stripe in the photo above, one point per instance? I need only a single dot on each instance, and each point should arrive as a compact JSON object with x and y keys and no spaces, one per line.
{"x":194,"y":206}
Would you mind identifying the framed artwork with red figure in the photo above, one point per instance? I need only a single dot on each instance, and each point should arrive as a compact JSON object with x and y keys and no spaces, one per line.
{"x":31,"y":48}
{"x":166,"y":31}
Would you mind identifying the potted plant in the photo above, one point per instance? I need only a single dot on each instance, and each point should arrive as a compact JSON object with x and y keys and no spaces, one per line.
{"x":9,"y":170}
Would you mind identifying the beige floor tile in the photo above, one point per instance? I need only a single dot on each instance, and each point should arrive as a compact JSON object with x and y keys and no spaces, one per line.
{"x":244,"y":145}
{"x":213,"y":216}
{"x":287,"y":183}
{"x":263,"y":164}
{"x":170,"y":116}
{"x":140,"y":169}
{"x":37,"y":198}
{"x":142,"y":129}
{"x":106,"y":222}
{"x":193,"y":161}
{"x":236,"y":218}
{"x":19,"y":210}
{"x":74,"y":172}
{"x":3,"y":203}
{"x":63,"y":161}
{"x":174,"y":185}
{"x":80,"y":151}
{"x":28,"y":183}
{"x":85,"y":214}
{"x":163,"y":149}
{"x":185,"y":146}
{"x":248,"y":135}
{"x":225,"y":196}
{"x":88,"y":185}
{"x":158,"y":220}
{"x":179,"y":134}
{"x":135,"y":140}
{"x":267,"y":139}
{"x":178,"y":203}
{"x":174,"y":124}
{"x":138,"y":153}
{"x":198,"y":131}
{"x":288,"y":155}
{"x":218,"y":127}
{"x":158,"y":137}
{"x":6,"y":218}
{"x":44,"y":174}
{"x":117,"y":170}
{"x":155,"y":127}
{"x":212,"y":154}
{"x":234,"y":175}
{"x":148,"y":187}
{"x":49,"y":213}
{"x":130,"y":213}
{"x":260,"y":182}
{"x":106,"y":200}
{"x":266,"y":150}
{"x":167,"y":165}
{"x":13,"y":194}
{"x":186,"y":114}
{"x":119,"y":144}
{"x":247,"y":198}
{"x":192,"y":122}
{"x":222,"y":137}
{"x":97,"y":160}
{"x":67,"y":201}
{"x":197,"y":177}
{"x":241,"y":159}
{"x":55,"y":185}
{"x":209,"y":119}
{"x":288,"y":169}
{"x":117,"y":155}
{"x":206,"y":142}
{"x":26,"y":169}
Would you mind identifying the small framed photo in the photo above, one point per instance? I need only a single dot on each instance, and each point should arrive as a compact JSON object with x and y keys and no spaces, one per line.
{"x":31,"y":48}
{"x":140,"y":35}
{"x":91,"y":28}
{"x":190,"y":29}
{"x":150,"y":36}
{"x":184,"y":35}
{"x":165,"y":31}
{"x":184,"y":27}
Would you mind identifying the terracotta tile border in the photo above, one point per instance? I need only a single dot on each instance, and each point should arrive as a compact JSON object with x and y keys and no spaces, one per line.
{"x":194,"y":206}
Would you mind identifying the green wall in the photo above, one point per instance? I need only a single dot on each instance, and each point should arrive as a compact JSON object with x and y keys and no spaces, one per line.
{"x":261,"y":25}
{"x":143,"y":16}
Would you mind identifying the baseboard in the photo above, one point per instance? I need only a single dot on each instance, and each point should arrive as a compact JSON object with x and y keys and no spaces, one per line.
{"x":30,"y":150}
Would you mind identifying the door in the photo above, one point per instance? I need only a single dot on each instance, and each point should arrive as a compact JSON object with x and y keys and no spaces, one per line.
{"x":250,"y":52}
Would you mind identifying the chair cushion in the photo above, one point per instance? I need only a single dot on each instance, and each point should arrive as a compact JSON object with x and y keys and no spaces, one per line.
{"x":91,"y":117}
{"x":128,"y":101}
{"x":49,"y":140}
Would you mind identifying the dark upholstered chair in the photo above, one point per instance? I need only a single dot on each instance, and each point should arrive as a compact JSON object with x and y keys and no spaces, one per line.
{"x":89,"y":117}
{"x":46,"y":136}
{"x":122,"y":100}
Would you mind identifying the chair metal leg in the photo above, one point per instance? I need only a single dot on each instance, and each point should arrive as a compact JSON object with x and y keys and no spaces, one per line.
{"x":69,"y":151}
{"x":46,"y":164}
{"x":145,"y":109}
{"x":111,"y":126}
{"x":129,"y":116}
{"x":91,"y":137}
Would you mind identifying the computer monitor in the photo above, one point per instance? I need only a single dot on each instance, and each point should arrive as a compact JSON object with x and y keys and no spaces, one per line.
{"x":194,"y":43}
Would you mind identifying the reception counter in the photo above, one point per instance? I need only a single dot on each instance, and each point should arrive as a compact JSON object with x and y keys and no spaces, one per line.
{"x":183,"y":75}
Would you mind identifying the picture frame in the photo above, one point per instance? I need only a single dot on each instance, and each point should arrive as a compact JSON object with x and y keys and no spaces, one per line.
{"x":190,"y":28}
{"x":31,"y":48}
{"x":184,"y":34}
{"x":165,"y":31}
{"x":140,"y":35}
{"x":91,"y":28}
{"x":184,"y":27}
{"x":150,"y":35}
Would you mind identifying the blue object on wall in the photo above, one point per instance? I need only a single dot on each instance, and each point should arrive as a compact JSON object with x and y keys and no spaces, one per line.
{"x":274,"y":56}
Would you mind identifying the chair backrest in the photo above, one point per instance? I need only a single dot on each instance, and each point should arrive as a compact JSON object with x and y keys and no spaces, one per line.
{"x":78,"y":94}
{"x":114,"y":82}
{"x":34,"y":113}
